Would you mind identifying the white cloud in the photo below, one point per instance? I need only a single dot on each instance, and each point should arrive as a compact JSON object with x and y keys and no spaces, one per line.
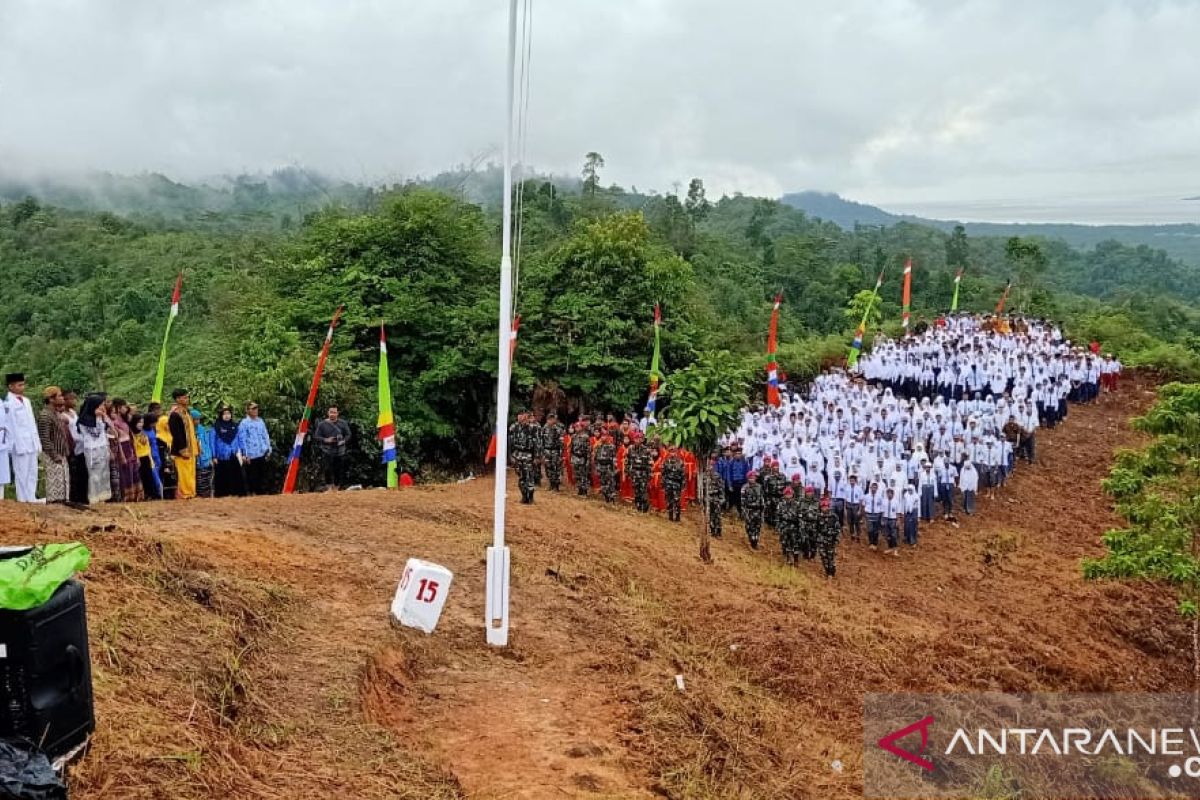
{"x":899,"y":102}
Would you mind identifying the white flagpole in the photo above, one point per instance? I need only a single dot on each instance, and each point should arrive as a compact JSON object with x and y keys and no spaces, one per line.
{"x":497,"y":555}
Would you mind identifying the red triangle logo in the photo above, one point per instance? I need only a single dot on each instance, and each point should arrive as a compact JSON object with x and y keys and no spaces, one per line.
{"x":889,"y":743}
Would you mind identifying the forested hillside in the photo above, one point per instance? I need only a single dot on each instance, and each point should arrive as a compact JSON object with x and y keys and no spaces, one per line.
{"x":86,"y":295}
{"x":1179,"y":240}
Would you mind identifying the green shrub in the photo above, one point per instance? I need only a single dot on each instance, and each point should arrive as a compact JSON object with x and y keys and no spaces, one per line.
{"x":1173,"y":362}
{"x":1116,"y":331}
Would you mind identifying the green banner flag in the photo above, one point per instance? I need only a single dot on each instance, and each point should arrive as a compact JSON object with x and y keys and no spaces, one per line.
{"x":387,"y":424}
{"x":857,"y":345}
{"x":156,"y":395}
{"x":655,"y":366}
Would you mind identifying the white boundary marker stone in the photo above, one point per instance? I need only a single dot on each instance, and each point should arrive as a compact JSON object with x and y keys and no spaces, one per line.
{"x":422,"y":594}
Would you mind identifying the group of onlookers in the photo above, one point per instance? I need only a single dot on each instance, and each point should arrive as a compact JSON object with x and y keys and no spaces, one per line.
{"x":106,"y":449}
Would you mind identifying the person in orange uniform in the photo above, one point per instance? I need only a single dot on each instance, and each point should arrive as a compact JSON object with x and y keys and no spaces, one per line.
{"x":626,"y":485}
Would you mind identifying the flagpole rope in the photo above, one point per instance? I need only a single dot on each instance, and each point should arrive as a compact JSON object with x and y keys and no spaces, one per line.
{"x":526,"y":61}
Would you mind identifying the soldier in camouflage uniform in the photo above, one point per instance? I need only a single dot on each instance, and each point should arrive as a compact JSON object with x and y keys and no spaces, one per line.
{"x":535,"y":436}
{"x":773,"y":484}
{"x":827,"y":538}
{"x":552,"y":450}
{"x":639,"y":463}
{"x":797,"y":487}
{"x":714,"y":496}
{"x":674,"y":474}
{"x":753,"y":503}
{"x":810,"y":518}
{"x":606,"y":468}
{"x":787,"y":521}
{"x":581,"y":459}
{"x":524,"y":456}
{"x":613,"y":429}
{"x":514,"y":432}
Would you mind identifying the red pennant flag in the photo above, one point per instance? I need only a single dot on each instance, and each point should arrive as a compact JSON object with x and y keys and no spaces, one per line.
{"x":907,"y":298}
{"x":1003,"y":298}
{"x":772,"y":367}
{"x":293,"y":464}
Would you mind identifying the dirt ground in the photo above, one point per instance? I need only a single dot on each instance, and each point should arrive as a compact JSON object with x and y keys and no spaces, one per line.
{"x":242,"y":648}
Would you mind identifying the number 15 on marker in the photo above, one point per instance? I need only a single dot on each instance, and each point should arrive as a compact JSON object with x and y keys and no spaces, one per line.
{"x":427,"y":590}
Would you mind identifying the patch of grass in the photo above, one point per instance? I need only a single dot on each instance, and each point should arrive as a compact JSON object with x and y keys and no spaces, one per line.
{"x":643,"y":597}
{"x":107,"y":640}
{"x":192,"y":759}
{"x":1117,"y":772}
{"x":999,"y":784}
{"x":778,"y":575}
{"x":998,"y":547}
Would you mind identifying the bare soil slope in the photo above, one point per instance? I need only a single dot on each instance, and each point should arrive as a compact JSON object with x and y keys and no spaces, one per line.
{"x":242,"y":649}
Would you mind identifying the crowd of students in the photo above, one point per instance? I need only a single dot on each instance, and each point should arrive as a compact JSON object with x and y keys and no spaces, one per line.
{"x":106,"y":449}
{"x":923,"y":425}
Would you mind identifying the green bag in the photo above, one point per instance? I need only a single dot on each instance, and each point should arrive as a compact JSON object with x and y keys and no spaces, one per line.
{"x":30,"y":580}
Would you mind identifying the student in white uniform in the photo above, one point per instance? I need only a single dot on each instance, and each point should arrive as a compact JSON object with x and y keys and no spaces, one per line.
{"x":20,"y":424}
{"x":893,"y":507}
{"x":854,"y":508}
{"x":911,"y":504}
{"x":968,"y":482}
{"x":947,"y":474}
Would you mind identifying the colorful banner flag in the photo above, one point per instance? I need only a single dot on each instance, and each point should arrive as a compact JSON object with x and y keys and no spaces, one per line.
{"x":857,"y":345}
{"x":773,"y":368}
{"x":1003,"y":298}
{"x":156,"y":395}
{"x":387,"y":423}
{"x":655,"y":374}
{"x":957,"y":281}
{"x":907,"y":294}
{"x":512,"y":351}
{"x":293,"y":464}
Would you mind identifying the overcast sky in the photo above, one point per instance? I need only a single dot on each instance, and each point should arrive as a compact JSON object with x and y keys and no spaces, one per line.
{"x":985,"y":109}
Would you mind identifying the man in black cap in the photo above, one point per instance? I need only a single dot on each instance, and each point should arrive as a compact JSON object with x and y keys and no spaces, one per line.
{"x":19,"y":432}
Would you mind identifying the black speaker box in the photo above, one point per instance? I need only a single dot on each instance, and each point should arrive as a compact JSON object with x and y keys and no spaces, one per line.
{"x":45,"y":673}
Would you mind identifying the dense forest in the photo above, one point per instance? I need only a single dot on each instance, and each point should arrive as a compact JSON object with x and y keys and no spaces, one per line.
{"x":1178,"y":240}
{"x":266,"y":262}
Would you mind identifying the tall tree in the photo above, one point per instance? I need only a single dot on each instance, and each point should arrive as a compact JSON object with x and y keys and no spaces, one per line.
{"x":705,"y":401}
{"x":670,"y":221}
{"x":756,"y":229}
{"x":697,"y":204}
{"x":592,"y":163}
{"x":958,"y":251}
{"x":424,"y":265}
{"x":586,"y":306}
{"x":865,"y":305}
{"x":1028,"y":261}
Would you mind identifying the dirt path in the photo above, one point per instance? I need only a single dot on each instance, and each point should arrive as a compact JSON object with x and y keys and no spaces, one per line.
{"x":242,"y":648}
